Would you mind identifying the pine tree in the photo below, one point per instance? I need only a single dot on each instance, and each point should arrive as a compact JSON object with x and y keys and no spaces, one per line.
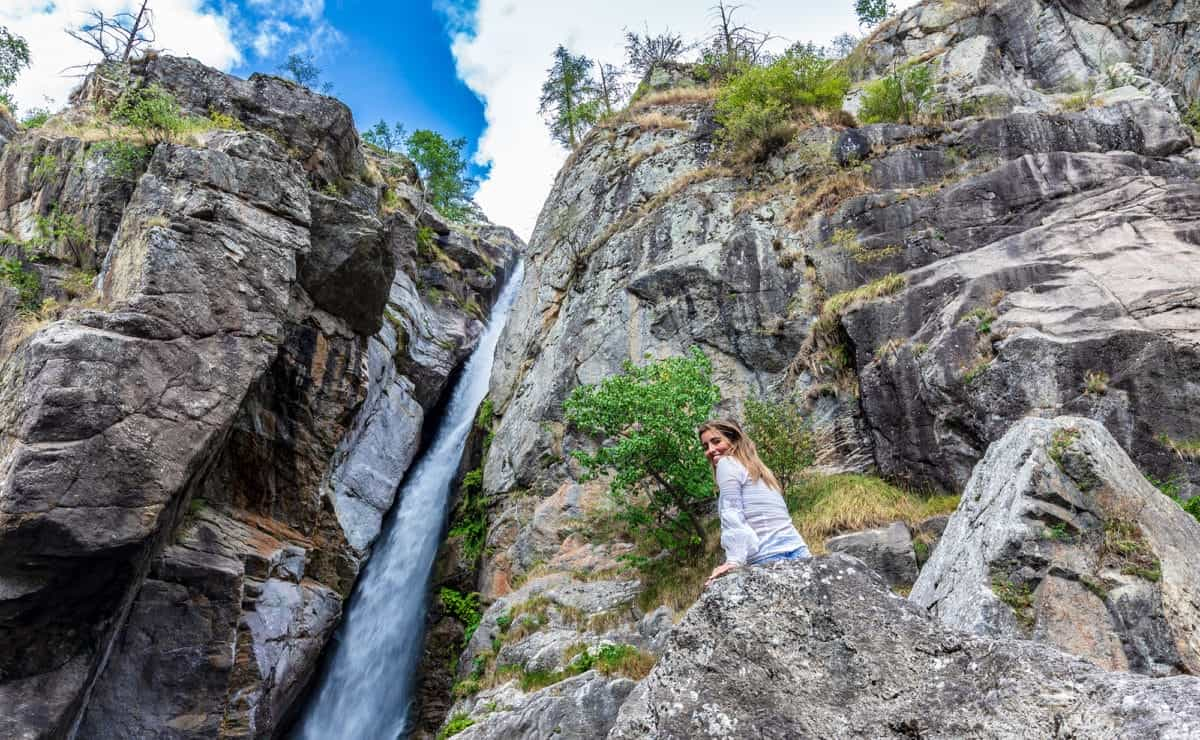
{"x":569,"y":98}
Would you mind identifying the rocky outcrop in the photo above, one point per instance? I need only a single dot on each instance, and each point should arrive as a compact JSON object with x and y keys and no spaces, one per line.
{"x":821,"y":648}
{"x":199,"y":454}
{"x":1033,"y":53}
{"x":1059,"y":538}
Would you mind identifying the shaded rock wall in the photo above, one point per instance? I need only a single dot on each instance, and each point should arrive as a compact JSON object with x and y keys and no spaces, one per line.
{"x":199,"y":454}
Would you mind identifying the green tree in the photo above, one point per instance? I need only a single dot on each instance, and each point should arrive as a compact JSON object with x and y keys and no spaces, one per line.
{"x":643,"y":51}
{"x":647,"y":418}
{"x":387,"y":138}
{"x":151,"y":110}
{"x":303,"y":70}
{"x":870,"y":12}
{"x":443,"y":171}
{"x":14,"y":57}
{"x":569,"y":101}
{"x":784,"y":437}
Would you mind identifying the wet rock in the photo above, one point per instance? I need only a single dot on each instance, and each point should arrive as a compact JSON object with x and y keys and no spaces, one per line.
{"x":862,"y":661}
{"x":1059,"y":538}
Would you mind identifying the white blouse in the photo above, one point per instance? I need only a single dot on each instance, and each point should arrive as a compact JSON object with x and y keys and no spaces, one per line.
{"x":755,"y":523}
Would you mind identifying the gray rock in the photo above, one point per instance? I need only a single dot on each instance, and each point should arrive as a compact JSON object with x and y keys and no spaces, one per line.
{"x":348,"y":270}
{"x":318,"y":130}
{"x":862,"y":662}
{"x":887,"y":550}
{"x":851,"y":147}
{"x":1060,"y":538}
{"x":580,"y":707}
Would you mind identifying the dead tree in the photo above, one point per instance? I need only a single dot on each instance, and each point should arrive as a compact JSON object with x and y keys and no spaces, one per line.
{"x":118,"y":37}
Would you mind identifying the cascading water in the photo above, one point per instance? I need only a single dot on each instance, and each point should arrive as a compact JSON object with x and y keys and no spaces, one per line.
{"x":366,"y":689}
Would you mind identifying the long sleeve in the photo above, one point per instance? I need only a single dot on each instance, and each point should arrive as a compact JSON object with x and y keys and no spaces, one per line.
{"x":737,"y":537}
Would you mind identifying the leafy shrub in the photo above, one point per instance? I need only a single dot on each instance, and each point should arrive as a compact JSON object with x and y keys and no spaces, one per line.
{"x":464,"y":607}
{"x":901,"y":97}
{"x":44,"y":167}
{"x":784,"y":437}
{"x":870,"y":12}
{"x":224,"y":121}
{"x":151,"y":110}
{"x":647,"y":417}
{"x":1191,"y":116}
{"x":61,"y":228}
{"x":755,"y":108}
{"x":457,"y":724}
{"x":470,"y":518}
{"x":78,"y":283}
{"x":125,"y":160}
{"x":35,"y":118}
{"x":27,"y":283}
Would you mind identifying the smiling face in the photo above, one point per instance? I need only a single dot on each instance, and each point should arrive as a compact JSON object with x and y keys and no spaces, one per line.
{"x":715,"y":445}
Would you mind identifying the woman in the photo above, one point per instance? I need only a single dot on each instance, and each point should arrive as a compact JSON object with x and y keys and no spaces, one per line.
{"x":755,"y":525}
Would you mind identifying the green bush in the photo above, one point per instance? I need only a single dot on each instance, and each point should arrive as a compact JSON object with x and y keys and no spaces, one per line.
{"x":125,"y":160}
{"x":1191,"y":116}
{"x":35,"y":118}
{"x":62,"y":228}
{"x":755,"y":108}
{"x":784,"y":437}
{"x":151,"y":110}
{"x":27,"y":283}
{"x":901,"y":97}
{"x":470,"y":518}
{"x":646,"y":418}
{"x":44,"y":167}
{"x":464,"y":607}
{"x":457,"y":724}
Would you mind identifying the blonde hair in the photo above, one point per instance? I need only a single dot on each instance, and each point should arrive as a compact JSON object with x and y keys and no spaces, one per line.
{"x":742,"y":449}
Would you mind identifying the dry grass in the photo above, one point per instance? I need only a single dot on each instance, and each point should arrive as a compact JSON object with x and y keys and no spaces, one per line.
{"x":1183,"y":448}
{"x":752,"y":199}
{"x":677,"y":96}
{"x":827,"y":505}
{"x":639,"y":157}
{"x":657,"y":120}
{"x":825,"y":194}
{"x":847,"y":300}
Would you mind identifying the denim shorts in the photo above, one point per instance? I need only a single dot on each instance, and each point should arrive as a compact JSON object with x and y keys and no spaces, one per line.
{"x":799,"y":553}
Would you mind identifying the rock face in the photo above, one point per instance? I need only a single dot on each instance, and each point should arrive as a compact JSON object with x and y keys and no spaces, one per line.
{"x":1059,"y":538}
{"x":888,"y":551}
{"x":821,"y":648}
{"x":1031,"y":250}
{"x":199,"y":452}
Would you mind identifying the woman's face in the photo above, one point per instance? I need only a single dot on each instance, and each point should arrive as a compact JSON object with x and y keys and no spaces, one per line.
{"x":715,"y":444}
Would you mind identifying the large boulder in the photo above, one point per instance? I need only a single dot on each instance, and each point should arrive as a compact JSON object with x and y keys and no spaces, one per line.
{"x":1059,"y":538}
{"x":821,"y":648}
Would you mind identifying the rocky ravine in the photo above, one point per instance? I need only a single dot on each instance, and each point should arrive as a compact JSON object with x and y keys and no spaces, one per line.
{"x":924,"y":287}
{"x":198,"y":451}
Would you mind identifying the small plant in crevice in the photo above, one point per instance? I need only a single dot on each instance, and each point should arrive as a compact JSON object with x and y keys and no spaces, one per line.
{"x":1018,"y":597}
{"x":125,"y":159}
{"x":457,"y":724}
{"x":1095,"y":383}
{"x":464,"y":607}
{"x":1187,"y":448}
{"x":976,"y":371}
{"x":982,"y":318}
{"x":27,"y":283}
{"x":1060,"y":442}
{"x":1125,"y":547}
{"x":44,"y":167}
{"x":470,"y":517}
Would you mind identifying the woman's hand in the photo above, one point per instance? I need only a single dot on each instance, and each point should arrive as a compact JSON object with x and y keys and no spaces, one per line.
{"x":719,"y":571}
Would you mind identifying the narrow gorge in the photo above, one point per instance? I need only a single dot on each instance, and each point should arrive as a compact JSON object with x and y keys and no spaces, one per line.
{"x":286,"y":454}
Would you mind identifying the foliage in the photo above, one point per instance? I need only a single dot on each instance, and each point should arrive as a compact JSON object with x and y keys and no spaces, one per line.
{"x":464,"y":607}
{"x":784,"y":437}
{"x":611,"y":89}
{"x":643,"y":51}
{"x":733,"y":46}
{"x":842,"y":45}
{"x":755,"y":107}
{"x":1191,"y":115}
{"x":470,"y":518}
{"x":457,"y":724}
{"x":303,"y":70}
{"x":870,"y":12}
{"x":901,"y":97}
{"x":569,"y":101}
{"x":27,"y":283}
{"x":125,"y":159}
{"x":443,"y":170}
{"x":35,"y":118}
{"x":1060,"y":442}
{"x":1018,"y":597}
{"x":14,"y":57}
{"x":648,"y":416}
{"x":151,"y":110}
{"x":78,"y":283}
{"x":387,"y":138}
{"x":64,"y":229}
{"x":1095,"y":382}
{"x":826,"y":505}
{"x":44,"y":167}
{"x":224,"y":121}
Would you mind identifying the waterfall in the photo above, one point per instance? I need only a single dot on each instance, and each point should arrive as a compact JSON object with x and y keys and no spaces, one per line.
{"x":366,"y":688}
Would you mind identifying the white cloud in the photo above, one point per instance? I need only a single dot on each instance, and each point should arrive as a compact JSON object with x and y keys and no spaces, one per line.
{"x":504,"y":54}
{"x":183,"y":27}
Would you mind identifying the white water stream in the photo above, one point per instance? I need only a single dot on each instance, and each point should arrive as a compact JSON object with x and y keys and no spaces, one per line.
{"x":365,"y":690}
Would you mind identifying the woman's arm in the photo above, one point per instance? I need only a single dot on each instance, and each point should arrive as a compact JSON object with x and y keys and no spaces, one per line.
{"x":737,"y":537}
